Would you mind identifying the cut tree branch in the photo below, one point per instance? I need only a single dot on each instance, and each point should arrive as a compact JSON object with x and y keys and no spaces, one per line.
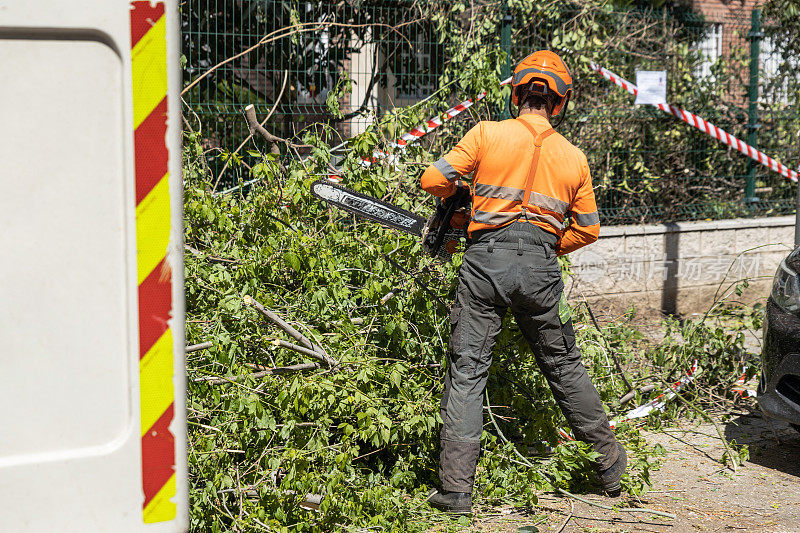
{"x":197,"y":347}
{"x":278,"y":321}
{"x":310,"y":501}
{"x":219,"y":380}
{"x":643,"y":390}
{"x":256,"y":127}
{"x":300,"y":349}
{"x":734,"y":457}
{"x":271,"y":111}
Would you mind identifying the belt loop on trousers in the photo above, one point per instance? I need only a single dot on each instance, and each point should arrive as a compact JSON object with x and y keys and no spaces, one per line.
{"x":490,"y":248}
{"x":543,"y":244}
{"x":519,"y":246}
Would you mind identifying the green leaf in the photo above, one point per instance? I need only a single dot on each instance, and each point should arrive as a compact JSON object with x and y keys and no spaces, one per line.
{"x":396,"y":378}
{"x":564,"y":309}
{"x":293,"y":260}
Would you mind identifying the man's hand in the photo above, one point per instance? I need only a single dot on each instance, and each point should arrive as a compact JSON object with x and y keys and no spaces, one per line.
{"x":459,"y":185}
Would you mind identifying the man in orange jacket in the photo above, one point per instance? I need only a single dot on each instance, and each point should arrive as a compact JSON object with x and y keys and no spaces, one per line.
{"x":526,"y":180}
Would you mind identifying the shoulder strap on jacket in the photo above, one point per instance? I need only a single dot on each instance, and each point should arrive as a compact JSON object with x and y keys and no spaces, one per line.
{"x":538,"y":139}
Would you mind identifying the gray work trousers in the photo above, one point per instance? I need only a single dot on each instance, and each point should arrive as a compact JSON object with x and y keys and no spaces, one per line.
{"x":512,"y":267}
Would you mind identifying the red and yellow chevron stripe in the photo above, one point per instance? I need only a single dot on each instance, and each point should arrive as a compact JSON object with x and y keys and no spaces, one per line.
{"x":157,"y":395}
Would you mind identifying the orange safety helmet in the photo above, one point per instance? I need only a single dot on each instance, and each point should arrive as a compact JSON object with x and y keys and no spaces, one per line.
{"x":548,"y":71}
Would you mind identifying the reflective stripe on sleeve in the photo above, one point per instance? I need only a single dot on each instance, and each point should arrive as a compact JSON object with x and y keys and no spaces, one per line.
{"x":586,"y":219}
{"x":446,"y":169}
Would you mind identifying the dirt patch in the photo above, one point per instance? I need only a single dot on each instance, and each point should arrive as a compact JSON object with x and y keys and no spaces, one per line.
{"x":763,"y":495}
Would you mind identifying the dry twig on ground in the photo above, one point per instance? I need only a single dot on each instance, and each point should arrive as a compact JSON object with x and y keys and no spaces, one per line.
{"x":569,"y":516}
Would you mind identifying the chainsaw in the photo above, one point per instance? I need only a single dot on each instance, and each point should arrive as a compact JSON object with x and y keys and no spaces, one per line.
{"x":442,"y":232}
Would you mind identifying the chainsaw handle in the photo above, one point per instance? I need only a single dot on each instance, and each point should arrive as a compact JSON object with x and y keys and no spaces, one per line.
{"x":452,"y":203}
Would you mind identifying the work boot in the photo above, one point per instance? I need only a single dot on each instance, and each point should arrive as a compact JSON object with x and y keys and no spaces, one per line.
{"x":451,"y":502}
{"x":610,"y":477}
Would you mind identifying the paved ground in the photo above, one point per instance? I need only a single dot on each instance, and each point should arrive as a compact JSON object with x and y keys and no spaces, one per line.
{"x":762,"y":496}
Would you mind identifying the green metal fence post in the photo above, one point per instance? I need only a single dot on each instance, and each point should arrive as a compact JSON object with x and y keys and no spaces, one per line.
{"x":752,"y":95}
{"x":797,"y":217}
{"x":505,"y":44}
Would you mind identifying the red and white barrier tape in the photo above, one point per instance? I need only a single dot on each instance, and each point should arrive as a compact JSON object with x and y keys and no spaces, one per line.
{"x":740,"y":389}
{"x":656,"y":404}
{"x":704,"y":126}
{"x":659,"y":402}
{"x":434,"y":122}
{"x":429,"y":125}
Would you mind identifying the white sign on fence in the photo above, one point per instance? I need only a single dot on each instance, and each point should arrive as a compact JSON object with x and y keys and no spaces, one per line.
{"x":652,"y":86}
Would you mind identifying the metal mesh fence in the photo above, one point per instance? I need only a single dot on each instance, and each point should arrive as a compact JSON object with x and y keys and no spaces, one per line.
{"x":391,"y":56}
{"x":647,"y":166}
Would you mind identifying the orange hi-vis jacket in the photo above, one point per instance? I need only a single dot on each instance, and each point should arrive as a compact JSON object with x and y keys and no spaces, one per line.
{"x":522,"y":169}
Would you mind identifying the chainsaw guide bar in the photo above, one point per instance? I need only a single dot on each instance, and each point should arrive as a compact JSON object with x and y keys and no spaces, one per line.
{"x":439,"y":238}
{"x":368,"y":207}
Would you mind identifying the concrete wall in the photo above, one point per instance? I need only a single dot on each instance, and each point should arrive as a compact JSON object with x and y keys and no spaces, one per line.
{"x":361,"y":67}
{"x":678,"y":268}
